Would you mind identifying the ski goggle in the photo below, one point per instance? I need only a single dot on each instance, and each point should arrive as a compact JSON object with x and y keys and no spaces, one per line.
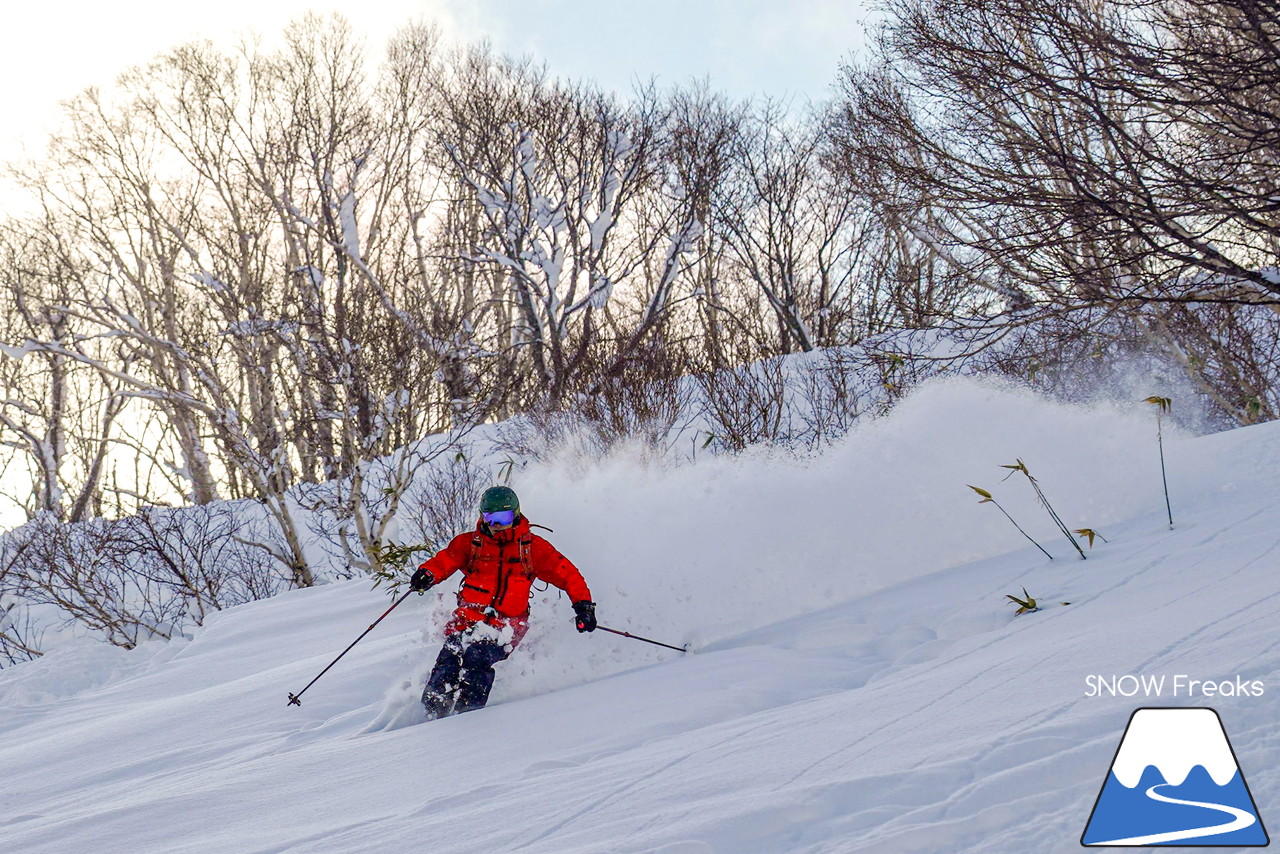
{"x":499,"y":518}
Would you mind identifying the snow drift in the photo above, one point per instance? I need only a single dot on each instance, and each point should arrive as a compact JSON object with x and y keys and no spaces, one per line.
{"x":859,"y":683}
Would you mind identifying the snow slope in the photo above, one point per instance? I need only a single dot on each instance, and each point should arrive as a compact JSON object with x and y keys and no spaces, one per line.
{"x":860,"y":684}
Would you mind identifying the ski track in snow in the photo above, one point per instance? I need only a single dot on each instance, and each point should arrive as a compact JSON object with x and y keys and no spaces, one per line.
{"x":912,"y":713}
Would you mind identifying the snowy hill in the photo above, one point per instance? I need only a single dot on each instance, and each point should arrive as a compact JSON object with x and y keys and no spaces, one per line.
{"x":859,"y":681}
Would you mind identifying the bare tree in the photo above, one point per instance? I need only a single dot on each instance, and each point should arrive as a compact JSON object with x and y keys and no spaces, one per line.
{"x":1075,"y":155}
{"x":569,"y":185}
{"x":59,"y":417}
{"x":154,"y":574}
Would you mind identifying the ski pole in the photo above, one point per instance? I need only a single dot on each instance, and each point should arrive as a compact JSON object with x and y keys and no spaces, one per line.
{"x":294,"y":698}
{"x":684,"y":648}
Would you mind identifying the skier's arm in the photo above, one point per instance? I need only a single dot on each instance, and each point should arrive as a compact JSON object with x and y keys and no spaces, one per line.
{"x":449,"y":559}
{"x":554,"y":568}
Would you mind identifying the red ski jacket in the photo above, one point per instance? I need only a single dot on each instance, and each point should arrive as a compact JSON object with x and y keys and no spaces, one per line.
{"x":499,"y":571}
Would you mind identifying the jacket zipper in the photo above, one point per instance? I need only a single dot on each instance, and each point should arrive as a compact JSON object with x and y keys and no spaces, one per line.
{"x":503,"y":575}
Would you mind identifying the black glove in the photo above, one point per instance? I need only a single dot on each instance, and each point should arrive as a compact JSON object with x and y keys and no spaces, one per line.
{"x":586,"y":611}
{"x":421,"y":581}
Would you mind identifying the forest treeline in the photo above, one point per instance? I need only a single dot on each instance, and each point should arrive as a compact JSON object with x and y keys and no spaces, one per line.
{"x":243,"y":273}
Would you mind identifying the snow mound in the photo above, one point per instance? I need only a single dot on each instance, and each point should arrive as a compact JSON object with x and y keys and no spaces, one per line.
{"x":706,"y":550}
{"x":860,"y":683}
{"x":69,"y":672}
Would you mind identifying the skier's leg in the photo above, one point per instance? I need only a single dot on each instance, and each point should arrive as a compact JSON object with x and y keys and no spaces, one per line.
{"x":442,"y":685}
{"x":477,"y":674}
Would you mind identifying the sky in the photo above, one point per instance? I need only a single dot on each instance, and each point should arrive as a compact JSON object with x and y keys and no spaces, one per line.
{"x":782,"y":48}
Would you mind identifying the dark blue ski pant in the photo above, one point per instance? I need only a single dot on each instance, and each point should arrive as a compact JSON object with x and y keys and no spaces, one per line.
{"x":462,"y":676}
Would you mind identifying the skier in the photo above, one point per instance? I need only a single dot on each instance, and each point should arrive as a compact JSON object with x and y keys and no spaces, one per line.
{"x":499,"y":560}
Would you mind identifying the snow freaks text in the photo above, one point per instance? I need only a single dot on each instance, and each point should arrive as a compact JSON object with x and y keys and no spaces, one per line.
{"x":1179,"y":685}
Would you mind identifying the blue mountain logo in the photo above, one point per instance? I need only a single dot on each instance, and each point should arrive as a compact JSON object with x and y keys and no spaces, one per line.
{"x":1175,"y":781}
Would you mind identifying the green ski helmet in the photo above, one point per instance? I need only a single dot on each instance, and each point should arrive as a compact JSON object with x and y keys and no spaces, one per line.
{"x":497,"y":498}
